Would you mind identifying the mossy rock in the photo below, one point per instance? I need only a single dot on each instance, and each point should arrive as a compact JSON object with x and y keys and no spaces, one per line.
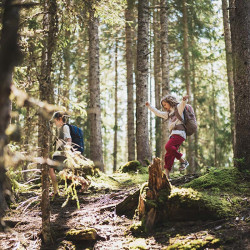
{"x":200,"y":241}
{"x":81,"y":234}
{"x":187,"y":204}
{"x":133,"y":167}
{"x":229,"y":180}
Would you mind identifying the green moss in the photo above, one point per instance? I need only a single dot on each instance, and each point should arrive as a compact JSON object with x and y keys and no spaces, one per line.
{"x":137,"y":229}
{"x":209,"y":205}
{"x":229,"y":180}
{"x":151,"y":203}
{"x":82,"y":234}
{"x":135,"y":167}
{"x":130,"y":179}
{"x":184,"y":243}
{"x":139,"y":243}
{"x":163,"y":196}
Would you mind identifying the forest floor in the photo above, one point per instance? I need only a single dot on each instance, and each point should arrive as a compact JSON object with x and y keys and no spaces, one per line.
{"x":97,"y":210}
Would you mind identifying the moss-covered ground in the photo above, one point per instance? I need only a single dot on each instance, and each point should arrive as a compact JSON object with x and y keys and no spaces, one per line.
{"x":223,"y":197}
{"x":225,"y":192}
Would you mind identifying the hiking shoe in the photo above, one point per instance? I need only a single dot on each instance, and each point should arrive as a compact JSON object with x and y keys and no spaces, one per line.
{"x":184,"y":165}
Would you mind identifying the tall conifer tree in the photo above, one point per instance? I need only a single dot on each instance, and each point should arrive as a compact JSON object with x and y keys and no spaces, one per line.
{"x":94,"y":111}
{"x":45,"y":91}
{"x":142,"y":136}
{"x":240,"y":23}
{"x":130,"y":83}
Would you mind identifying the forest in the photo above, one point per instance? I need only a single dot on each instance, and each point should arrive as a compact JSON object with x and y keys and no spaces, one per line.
{"x":96,"y":99}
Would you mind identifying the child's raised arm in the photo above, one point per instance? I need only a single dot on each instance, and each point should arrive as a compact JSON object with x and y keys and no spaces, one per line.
{"x":182,"y":104}
{"x":157,"y":112}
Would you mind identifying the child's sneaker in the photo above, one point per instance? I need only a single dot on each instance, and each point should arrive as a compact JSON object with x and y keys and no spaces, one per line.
{"x":184,"y":165}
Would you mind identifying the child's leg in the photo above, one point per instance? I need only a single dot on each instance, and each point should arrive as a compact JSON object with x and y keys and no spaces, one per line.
{"x":172,"y":147}
{"x":54,"y":181}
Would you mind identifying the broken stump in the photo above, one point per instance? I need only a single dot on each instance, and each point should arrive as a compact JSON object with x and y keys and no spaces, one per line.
{"x":153,"y":196}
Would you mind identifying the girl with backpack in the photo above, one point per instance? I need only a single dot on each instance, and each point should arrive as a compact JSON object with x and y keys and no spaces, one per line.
{"x":59,"y":118}
{"x":176,"y":128}
{"x":69,"y":136}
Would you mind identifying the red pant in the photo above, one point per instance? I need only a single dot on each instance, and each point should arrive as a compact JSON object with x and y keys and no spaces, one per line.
{"x":172,"y":147}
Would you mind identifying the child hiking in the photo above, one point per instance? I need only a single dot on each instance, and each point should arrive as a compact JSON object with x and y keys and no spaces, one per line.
{"x":60,"y":118}
{"x":70,"y":139}
{"x":176,"y":128}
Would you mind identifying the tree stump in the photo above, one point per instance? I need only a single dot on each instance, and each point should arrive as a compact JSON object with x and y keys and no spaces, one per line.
{"x":153,"y":196}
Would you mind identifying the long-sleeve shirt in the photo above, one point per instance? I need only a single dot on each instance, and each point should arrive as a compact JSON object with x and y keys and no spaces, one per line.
{"x":172,"y":119}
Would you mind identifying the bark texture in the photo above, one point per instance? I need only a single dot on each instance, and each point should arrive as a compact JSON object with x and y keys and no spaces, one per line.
{"x":229,"y":59}
{"x":142,"y":138}
{"x":116,"y":107}
{"x":164,"y":64}
{"x":240,"y":30}
{"x":191,"y":151}
{"x":152,"y":196}
{"x":45,"y":91}
{"x":130,"y":83}
{"x":94,"y":111}
{"x":9,"y":57}
{"x":157,"y":78}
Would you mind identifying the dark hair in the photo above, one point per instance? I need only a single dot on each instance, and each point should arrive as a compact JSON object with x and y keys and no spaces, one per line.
{"x":170,"y":99}
{"x":58,"y":114}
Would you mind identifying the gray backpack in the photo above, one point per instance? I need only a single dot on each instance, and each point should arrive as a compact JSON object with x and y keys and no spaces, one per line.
{"x":189,"y":121}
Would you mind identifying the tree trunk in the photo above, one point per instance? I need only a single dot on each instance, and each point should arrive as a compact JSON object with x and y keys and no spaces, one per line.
{"x":153,"y":195}
{"x":65,"y":88}
{"x":45,"y":90}
{"x":164,"y":66}
{"x":229,"y":60}
{"x":194,"y":86}
{"x":94,"y":111}
{"x":214,"y":120}
{"x":9,"y":56}
{"x":116,"y":106}
{"x":240,"y":23}
{"x":157,"y":78}
{"x":142,"y":140}
{"x":191,"y":152}
{"x":66,"y":57}
{"x":130,"y":83}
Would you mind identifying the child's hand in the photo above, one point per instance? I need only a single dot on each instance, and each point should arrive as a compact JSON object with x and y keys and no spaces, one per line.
{"x":185,"y":98}
{"x":147,"y":104}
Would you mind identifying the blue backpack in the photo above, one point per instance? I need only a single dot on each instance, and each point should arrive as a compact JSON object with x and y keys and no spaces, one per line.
{"x":77,"y":138}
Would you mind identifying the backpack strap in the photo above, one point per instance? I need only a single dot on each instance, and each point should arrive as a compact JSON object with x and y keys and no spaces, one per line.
{"x":179,"y":126}
{"x":177,"y":114}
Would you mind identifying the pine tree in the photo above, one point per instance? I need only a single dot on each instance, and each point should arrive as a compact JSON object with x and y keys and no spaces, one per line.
{"x":9,"y":57}
{"x":130,"y":83}
{"x":240,"y":23}
{"x":116,"y":107}
{"x":142,"y":140}
{"x":164,"y":63}
{"x":157,"y":77}
{"x":229,"y":60}
{"x":186,"y":58}
{"x":94,"y":111}
{"x":45,"y":91}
